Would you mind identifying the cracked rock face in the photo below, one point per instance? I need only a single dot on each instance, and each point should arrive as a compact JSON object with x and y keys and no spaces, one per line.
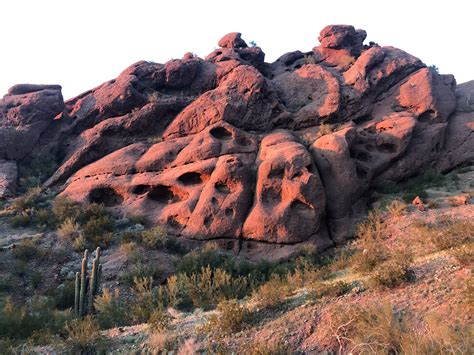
{"x":272,"y":155}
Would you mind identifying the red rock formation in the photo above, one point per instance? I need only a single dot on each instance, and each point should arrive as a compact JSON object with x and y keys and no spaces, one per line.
{"x":233,"y":148}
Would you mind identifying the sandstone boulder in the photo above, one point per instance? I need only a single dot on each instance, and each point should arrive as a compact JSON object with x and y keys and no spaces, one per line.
{"x":428,"y":96}
{"x":341,"y":36}
{"x":232,"y":40}
{"x":311,"y":93}
{"x":8,"y":176}
{"x":289,"y":197}
{"x":242,"y":98}
{"x":25,"y":113}
{"x":262,"y":157}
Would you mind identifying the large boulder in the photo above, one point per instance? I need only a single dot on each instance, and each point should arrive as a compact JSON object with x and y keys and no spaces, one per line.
{"x":311,"y":93}
{"x":459,"y":144}
{"x":25,"y":113}
{"x":289,"y":197}
{"x":261,"y":157}
{"x":243,"y":98}
{"x":8,"y":176}
{"x":341,"y":36}
{"x":232,"y":40}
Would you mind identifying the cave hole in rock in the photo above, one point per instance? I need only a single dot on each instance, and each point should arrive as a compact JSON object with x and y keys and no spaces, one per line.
{"x":173,"y":222}
{"x":229,"y":212}
{"x":276,"y":173}
{"x":368,"y":130}
{"x":243,"y":141}
{"x":106,"y":196}
{"x":208,"y":221}
{"x":363,"y":156}
{"x":271,"y":195}
{"x":190,"y":178}
{"x":214,"y":201}
{"x":297,"y":174}
{"x":163,"y":194}
{"x":369,"y":147}
{"x":389,"y":148}
{"x":361,"y":172}
{"x":222,"y":187}
{"x":300,"y":206}
{"x":221,"y":133}
{"x":426,"y":116}
{"x":141,"y":189}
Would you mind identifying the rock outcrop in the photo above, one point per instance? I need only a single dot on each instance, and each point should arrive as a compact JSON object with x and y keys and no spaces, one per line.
{"x":231,"y":147}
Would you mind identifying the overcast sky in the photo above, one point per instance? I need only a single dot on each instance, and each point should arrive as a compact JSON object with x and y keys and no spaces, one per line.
{"x":80,"y":44}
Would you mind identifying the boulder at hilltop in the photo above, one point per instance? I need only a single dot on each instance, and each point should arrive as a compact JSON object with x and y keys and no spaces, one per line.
{"x":264,"y":157}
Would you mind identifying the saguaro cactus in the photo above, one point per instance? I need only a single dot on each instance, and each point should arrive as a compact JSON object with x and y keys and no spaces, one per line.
{"x":86,"y":288}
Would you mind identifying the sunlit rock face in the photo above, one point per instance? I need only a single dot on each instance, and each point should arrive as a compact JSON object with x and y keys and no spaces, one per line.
{"x":266,"y":156}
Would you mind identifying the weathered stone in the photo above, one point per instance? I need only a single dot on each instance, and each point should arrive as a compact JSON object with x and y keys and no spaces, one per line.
{"x":8,"y":176}
{"x":261,"y":157}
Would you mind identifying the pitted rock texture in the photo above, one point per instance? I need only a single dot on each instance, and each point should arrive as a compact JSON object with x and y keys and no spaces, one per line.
{"x":261,"y":155}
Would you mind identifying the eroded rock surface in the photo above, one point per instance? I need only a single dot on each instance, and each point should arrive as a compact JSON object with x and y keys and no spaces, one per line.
{"x":261,"y":156}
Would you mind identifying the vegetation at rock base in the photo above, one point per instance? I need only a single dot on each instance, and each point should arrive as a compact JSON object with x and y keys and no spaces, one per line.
{"x":351,"y":298}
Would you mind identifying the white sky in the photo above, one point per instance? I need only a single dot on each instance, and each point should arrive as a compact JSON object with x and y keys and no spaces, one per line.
{"x":80,"y":44}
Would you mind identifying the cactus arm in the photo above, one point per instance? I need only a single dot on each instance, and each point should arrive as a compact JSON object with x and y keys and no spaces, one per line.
{"x":82,"y":296}
{"x":92,"y":285}
{"x":99,"y":275}
{"x":77,"y":288}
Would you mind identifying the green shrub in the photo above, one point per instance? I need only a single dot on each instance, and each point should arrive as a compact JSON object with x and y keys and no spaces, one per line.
{"x":110,"y":310}
{"x":83,"y":335}
{"x":158,"y":238}
{"x":21,"y":269}
{"x":33,"y":198}
{"x":372,"y":328}
{"x":88,"y":225}
{"x":32,"y":209}
{"x":210,"y":255}
{"x":36,"y":279}
{"x":396,"y":208}
{"x":272,"y":293}
{"x":69,"y":229}
{"x":64,"y":209}
{"x":392,"y":273}
{"x":63,"y":295}
{"x":139,"y":270}
{"x":98,"y":231}
{"x":145,"y":301}
{"x":6,"y":284}
{"x":22,"y":321}
{"x":34,"y":172}
{"x":208,"y":287}
{"x":137,"y":219}
{"x":26,"y":250}
{"x":231,"y":317}
{"x":319,"y":289}
{"x":370,"y":251}
{"x":449,"y":233}
{"x":159,"y":319}
{"x":439,"y":337}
